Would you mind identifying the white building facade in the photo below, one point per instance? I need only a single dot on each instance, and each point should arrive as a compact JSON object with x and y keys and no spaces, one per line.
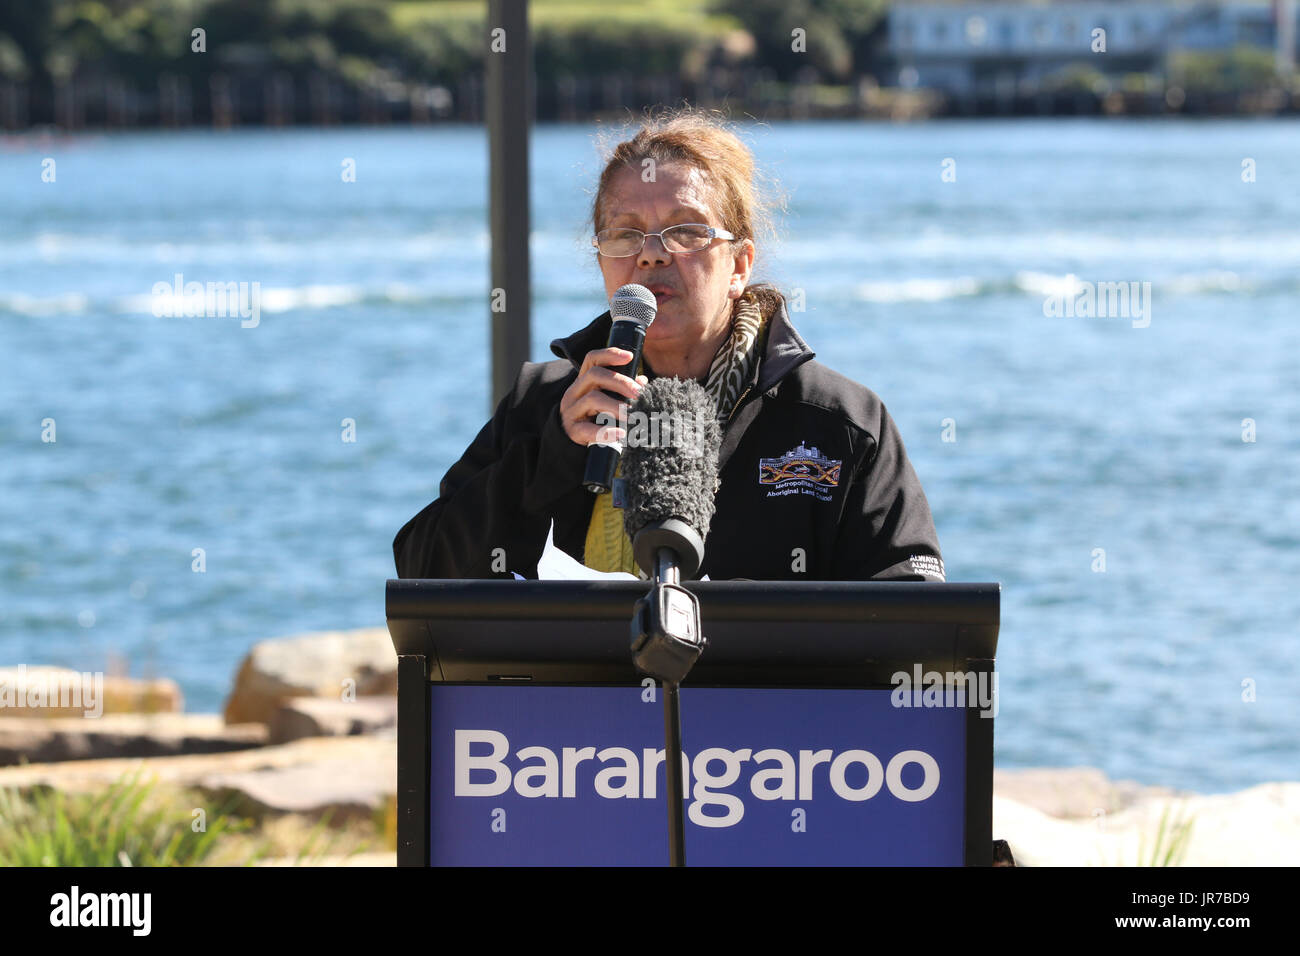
{"x":963,"y":47}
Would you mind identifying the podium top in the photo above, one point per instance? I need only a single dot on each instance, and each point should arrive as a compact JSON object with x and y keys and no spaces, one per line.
{"x":760,"y":633}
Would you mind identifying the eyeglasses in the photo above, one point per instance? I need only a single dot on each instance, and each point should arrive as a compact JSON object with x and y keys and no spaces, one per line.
{"x":688,"y":237}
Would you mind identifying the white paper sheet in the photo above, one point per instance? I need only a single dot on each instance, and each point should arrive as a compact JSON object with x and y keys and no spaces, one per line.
{"x":557,"y":565}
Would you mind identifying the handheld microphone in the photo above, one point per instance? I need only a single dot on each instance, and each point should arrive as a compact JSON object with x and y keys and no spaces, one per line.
{"x":632,"y":309}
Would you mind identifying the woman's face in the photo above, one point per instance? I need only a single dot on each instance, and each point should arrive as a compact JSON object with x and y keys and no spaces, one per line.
{"x":694,"y":290}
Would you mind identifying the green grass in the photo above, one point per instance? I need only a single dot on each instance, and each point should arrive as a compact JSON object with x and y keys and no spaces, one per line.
{"x":312,"y":852}
{"x":124,"y":825}
{"x":134,"y":822}
{"x":566,"y":13}
{"x":1171,"y":841}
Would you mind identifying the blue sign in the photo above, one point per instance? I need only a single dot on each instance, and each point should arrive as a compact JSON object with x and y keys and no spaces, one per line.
{"x":539,"y":775}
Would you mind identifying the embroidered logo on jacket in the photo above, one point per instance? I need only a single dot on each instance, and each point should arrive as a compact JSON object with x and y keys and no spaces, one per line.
{"x":800,"y":470}
{"x":928,"y":565}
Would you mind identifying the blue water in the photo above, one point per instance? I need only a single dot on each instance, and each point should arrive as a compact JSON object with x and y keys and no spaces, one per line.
{"x":1072,"y":434}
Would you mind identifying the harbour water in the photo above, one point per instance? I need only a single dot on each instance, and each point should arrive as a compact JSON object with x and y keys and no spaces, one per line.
{"x":1132,"y":486}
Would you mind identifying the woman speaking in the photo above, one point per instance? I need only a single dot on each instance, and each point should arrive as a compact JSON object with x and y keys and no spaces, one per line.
{"x":814,"y":482}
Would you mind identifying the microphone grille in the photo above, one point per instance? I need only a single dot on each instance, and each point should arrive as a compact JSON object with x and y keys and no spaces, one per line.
{"x":634,"y":301}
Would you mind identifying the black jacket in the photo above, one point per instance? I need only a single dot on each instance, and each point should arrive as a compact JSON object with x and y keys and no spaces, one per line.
{"x":815,"y":482}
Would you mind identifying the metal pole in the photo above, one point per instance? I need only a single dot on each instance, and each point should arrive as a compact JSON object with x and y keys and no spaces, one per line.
{"x":673,"y":754}
{"x":508,"y":114}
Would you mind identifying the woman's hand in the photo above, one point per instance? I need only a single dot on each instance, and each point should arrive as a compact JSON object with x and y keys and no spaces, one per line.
{"x":586,"y":397}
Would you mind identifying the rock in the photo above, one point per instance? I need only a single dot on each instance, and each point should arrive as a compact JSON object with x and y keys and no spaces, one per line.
{"x":61,"y":692}
{"x":1038,"y":839}
{"x":312,"y":665}
{"x":346,"y":788}
{"x":129,"y":695}
{"x":1072,"y":792}
{"x":121,"y":735}
{"x":356,"y":859}
{"x":350,"y":775}
{"x":1255,"y":827}
{"x":327,"y":717}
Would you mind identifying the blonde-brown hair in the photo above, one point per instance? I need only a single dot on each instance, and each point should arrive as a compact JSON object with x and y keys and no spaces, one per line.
{"x":702,"y":139}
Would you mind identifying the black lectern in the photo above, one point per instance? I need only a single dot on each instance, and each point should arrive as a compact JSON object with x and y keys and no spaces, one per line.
{"x":827,"y":723}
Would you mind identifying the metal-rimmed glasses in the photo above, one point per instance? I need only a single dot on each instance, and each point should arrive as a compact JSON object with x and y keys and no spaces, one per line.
{"x":621,"y":242}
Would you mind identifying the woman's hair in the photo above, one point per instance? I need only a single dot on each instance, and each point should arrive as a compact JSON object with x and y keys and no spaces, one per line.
{"x":703,"y":139}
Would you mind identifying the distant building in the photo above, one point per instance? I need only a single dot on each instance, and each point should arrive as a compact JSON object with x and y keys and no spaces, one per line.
{"x":1002,"y":47}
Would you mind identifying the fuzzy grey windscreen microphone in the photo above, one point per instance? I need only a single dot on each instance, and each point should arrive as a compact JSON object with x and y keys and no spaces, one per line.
{"x":670,"y":463}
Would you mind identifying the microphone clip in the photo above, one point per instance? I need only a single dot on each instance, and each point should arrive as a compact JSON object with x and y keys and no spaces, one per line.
{"x":666,"y":638}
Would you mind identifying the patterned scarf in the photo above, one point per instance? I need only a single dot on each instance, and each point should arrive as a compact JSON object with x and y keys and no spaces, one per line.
{"x":608,"y":547}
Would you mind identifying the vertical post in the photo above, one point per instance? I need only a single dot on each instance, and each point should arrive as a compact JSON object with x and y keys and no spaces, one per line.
{"x":978,"y":837}
{"x":509,"y":105}
{"x":413,"y":760}
{"x":673,"y":769}
{"x":1284,"y":54}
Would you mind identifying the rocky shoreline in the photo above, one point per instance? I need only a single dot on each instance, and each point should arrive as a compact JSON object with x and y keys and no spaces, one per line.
{"x":309,"y":735}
